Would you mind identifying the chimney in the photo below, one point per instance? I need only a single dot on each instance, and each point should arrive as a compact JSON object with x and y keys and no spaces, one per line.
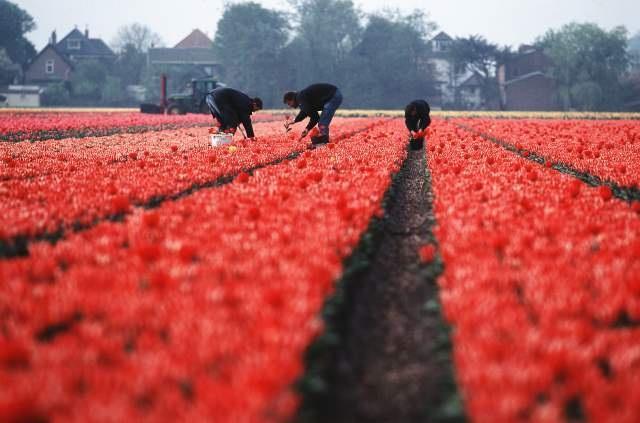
{"x":54,"y":38}
{"x":86,"y":32}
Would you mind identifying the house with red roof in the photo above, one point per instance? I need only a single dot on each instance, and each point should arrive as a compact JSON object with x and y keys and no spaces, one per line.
{"x":193,"y":54}
{"x":192,"y":58}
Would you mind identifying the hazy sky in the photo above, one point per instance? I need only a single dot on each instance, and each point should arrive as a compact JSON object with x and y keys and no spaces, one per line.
{"x":510,"y":22}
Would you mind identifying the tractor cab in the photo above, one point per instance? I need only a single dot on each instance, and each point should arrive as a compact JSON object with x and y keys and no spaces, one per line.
{"x":192,"y":99}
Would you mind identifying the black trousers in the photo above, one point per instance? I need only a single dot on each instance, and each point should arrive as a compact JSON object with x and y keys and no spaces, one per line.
{"x":219,"y":113}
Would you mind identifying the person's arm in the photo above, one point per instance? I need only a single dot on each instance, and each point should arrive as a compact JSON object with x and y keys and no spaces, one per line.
{"x":314,"y":117}
{"x":408,"y":123}
{"x":301,"y":116}
{"x":248,"y":126}
{"x":425,"y":122}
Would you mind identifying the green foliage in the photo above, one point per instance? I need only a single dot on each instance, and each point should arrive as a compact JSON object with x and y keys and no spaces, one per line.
{"x":89,"y":77}
{"x":326,"y":32}
{"x":634,"y":50}
{"x":113,"y":92}
{"x":631,"y":89}
{"x":249,"y":42}
{"x":14,"y":23}
{"x":634,"y":42}
{"x":385,"y":68}
{"x":132,"y":43}
{"x":588,"y":64}
{"x":8,"y":70}
{"x":378,"y":65}
{"x":130,"y":65}
{"x":588,"y":95}
{"x":55,"y":95}
{"x":476,"y":54}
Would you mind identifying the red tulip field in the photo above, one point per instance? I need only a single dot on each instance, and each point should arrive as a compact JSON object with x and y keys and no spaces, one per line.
{"x":148,"y":276}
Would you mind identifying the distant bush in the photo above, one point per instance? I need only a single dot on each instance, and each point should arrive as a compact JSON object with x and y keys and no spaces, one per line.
{"x":56,"y":95}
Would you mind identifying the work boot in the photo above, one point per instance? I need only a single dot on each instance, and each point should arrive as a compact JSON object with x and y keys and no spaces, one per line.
{"x":320,"y":139}
{"x":417,"y":144}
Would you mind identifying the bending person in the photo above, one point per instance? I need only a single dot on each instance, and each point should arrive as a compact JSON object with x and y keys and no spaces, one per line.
{"x":417,"y":119}
{"x":317,"y":97}
{"x":231,"y":108}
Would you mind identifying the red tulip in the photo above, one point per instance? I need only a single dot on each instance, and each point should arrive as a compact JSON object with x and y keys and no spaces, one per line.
{"x":427,"y":253}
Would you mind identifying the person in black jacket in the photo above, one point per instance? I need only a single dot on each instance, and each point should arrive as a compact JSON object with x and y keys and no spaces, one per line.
{"x":231,"y":108}
{"x":417,"y":119}
{"x":317,"y":97}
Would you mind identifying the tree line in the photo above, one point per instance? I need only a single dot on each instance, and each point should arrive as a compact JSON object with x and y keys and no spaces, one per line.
{"x":379,"y":60}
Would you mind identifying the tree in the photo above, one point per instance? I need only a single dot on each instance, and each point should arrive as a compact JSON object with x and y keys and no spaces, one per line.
{"x":634,"y":50}
{"x":130,"y":65}
{"x":588,"y":65}
{"x":88,"y":81}
{"x":249,"y":42}
{"x":475,"y":54}
{"x":139,"y":36}
{"x":113,"y":92}
{"x":326,"y":31}
{"x":8,"y":70}
{"x":14,"y":24}
{"x":56,"y":94}
{"x":387,"y":68}
{"x":634,"y":42}
{"x":132,"y":43}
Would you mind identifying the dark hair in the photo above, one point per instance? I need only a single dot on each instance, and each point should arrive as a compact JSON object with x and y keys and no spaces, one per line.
{"x":258,"y":102}
{"x":289,"y":95}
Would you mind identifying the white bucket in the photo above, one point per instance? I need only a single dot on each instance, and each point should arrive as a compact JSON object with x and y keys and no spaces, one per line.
{"x":221,"y":139}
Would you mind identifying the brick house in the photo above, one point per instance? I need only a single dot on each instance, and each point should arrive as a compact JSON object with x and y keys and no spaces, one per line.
{"x":525,"y":83}
{"x":191,"y":58}
{"x":56,"y":61}
{"x":49,"y":66}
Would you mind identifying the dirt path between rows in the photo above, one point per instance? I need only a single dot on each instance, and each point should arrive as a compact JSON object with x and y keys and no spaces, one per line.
{"x":394,"y":362}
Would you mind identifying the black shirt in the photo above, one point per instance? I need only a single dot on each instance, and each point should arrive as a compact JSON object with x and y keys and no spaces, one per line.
{"x":236,"y":107}
{"x":311,"y":100}
{"x":422,"y":119}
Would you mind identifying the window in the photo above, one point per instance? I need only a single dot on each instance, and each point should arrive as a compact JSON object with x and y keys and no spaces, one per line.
{"x":73,"y":44}
{"x":441,"y":45}
{"x":49,"y":67}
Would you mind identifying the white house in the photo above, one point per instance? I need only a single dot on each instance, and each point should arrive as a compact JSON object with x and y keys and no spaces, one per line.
{"x":465,"y":85}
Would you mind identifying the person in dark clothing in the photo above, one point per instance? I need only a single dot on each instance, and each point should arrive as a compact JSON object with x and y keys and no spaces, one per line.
{"x":417,"y":119}
{"x":231,"y":108}
{"x":317,"y":97}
